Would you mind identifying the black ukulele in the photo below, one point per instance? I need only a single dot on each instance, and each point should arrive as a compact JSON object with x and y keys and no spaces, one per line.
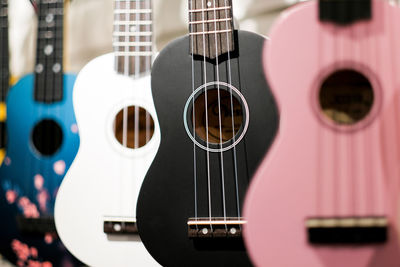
{"x":218,"y":119}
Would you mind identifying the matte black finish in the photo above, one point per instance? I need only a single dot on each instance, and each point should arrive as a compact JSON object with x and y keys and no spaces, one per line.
{"x":344,"y":11}
{"x":167,"y":198}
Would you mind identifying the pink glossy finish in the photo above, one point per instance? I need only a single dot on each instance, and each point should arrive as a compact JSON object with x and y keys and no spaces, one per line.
{"x":315,"y":169}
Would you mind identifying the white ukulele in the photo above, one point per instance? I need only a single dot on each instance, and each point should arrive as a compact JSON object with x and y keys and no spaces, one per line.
{"x":96,"y":205}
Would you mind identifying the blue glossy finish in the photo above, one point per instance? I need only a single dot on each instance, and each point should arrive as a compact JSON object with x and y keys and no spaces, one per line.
{"x":23,"y":191}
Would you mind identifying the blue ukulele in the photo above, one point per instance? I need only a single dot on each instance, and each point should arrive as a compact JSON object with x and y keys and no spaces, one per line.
{"x":42,"y":143}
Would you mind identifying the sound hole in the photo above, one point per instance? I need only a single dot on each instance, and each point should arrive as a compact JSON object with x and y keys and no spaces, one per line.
{"x":346,"y":97}
{"x":228,"y":127}
{"x":47,"y":137}
{"x":133,"y":127}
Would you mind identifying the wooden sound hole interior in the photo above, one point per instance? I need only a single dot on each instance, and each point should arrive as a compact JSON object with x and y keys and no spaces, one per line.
{"x":346,"y":97}
{"x":47,"y":137}
{"x":228,"y":127}
{"x":133,"y":127}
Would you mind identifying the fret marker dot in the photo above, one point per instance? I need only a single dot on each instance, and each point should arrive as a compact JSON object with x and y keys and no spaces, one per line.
{"x":56,"y":68}
{"x":117,"y":227}
{"x":204,"y":231}
{"x":39,"y":68}
{"x":209,"y":3}
{"x":49,"y":18}
{"x":233,"y":231}
{"x":48,"y":50}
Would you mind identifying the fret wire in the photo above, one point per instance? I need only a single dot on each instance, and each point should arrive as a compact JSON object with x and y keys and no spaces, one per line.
{"x":121,"y":1}
{"x":48,"y":82}
{"x":4,"y":12}
{"x":133,"y":44}
{"x":48,"y":35}
{"x":132,"y":11}
{"x":210,"y":9}
{"x":207,"y":20}
{"x":133,"y":53}
{"x":133,"y":23}
{"x":122,"y":34}
{"x":211,"y":32}
{"x":143,"y":22}
{"x":57,"y":21}
{"x":210,"y":21}
{"x":49,"y":2}
{"x":55,"y":11}
{"x":133,"y":34}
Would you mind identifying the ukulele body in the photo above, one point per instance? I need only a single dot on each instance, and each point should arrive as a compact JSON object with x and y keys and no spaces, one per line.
{"x":167,"y":197}
{"x":29,"y":181}
{"x":105,"y":177}
{"x":317,"y":168}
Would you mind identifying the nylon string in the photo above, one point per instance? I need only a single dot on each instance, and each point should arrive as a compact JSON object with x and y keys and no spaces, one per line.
{"x":219,"y":115}
{"x":194,"y":120}
{"x":232,"y":112}
{"x":206,"y":111}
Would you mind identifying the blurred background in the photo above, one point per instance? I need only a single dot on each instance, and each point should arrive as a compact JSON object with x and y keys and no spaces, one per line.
{"x":90,"y":24}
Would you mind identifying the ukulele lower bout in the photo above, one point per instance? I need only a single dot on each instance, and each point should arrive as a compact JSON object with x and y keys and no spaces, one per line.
{"x":42,"y":142}
{"x":106,"y":232}
{"x":193,"y":191}
{"x":347,"y":99}
{"x":337,"y":202}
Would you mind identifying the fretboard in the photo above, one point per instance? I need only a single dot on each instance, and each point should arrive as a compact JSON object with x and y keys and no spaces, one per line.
{"x":4,"y":68}
{"x":211,"y":27}
{"x":133,"y":36}
{"x":49,"y":53}
{"x":4,"y":58}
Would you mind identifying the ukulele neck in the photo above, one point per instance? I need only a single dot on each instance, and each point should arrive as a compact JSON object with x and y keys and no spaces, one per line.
{"x":133,"y":37}
{"x":49,"y":53}
{"x":211,"y":28}
{"x":4,"y":59}
{"x":4,"y":68}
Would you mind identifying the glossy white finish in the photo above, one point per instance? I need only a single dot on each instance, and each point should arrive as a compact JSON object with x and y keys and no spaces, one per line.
{"x":105,"y":178}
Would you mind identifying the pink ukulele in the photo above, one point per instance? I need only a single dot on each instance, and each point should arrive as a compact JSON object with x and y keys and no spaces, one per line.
{"x":328,"y":193}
